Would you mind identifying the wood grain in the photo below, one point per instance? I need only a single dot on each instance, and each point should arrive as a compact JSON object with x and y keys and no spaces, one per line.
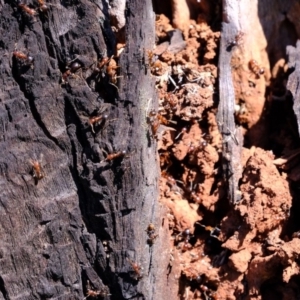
{"x":82,"y":221}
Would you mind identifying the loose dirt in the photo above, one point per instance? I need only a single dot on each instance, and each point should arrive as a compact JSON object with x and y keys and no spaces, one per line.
{"x":244,"y":251}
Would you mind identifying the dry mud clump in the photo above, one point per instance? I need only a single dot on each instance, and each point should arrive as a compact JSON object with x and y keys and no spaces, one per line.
{"x":221,"y":251}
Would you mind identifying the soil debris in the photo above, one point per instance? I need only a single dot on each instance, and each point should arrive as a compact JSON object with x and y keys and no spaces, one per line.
{"x":231,"y":251}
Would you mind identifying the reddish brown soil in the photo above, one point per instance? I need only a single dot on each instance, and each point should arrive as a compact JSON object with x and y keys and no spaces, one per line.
{"x":242,"y":251}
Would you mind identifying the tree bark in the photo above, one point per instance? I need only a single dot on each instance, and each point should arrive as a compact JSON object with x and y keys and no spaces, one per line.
{"x":83,"y":225}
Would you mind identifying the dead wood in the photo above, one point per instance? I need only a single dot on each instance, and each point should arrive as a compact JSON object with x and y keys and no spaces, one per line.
{"x":232,"y":135}
{"x":74,"y":230}
{"x":294,"y":78}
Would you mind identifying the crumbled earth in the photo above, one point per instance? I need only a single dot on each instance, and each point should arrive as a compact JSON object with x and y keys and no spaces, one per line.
{"x":244,"y":251}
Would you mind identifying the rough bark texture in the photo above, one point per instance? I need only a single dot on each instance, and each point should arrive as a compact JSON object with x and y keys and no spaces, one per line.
{"x":87,"y":216}
{"x":294,"y":78}
{"x":232,"y":136}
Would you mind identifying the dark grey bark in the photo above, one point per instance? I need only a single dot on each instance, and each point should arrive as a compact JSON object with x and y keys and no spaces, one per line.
{"x":87,"y":216}
{"x":232,"y":135}
{"x":294,"y":79}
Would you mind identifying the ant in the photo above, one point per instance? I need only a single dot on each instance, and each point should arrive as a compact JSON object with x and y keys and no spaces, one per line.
{"x":165,"y":160}
{"x":185,"y":235}
{"x":42,"y":6}
{"x":171,"y":102}
{"x":194,"y":197}
{"x":111,"y":71}
{"x":182,"y":131}
{"x":24,"y":58}
{"x":213,"y":231}
{"x":208,"y":294}
{"x":163,"y":120}
{"x":27,"y":10}
{"x":151,"y":234}
{"x":113,"y":156}
{"x":136,"y":268}
{"x":152,"y":238}
{"x":103,"y":292}
{"x":111,"y":67}
{"x":104,"y":61}
{"x":154,"y":63}
{"x":37,"y":172}
{"x":150,"y":228}
{"x":255,"y":68}
{"x":172,"y":183}
{"x":155,"y":120}
{"x":75,"y":66}
{"x":154,"y":123}
{"x":238,"y":40}
{"x":200,"y":145}
{"x":98,"y":120}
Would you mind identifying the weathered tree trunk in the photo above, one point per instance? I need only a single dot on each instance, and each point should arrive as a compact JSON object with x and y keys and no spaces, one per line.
{"x":294,"y":78}
{"x":86,"y":220}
